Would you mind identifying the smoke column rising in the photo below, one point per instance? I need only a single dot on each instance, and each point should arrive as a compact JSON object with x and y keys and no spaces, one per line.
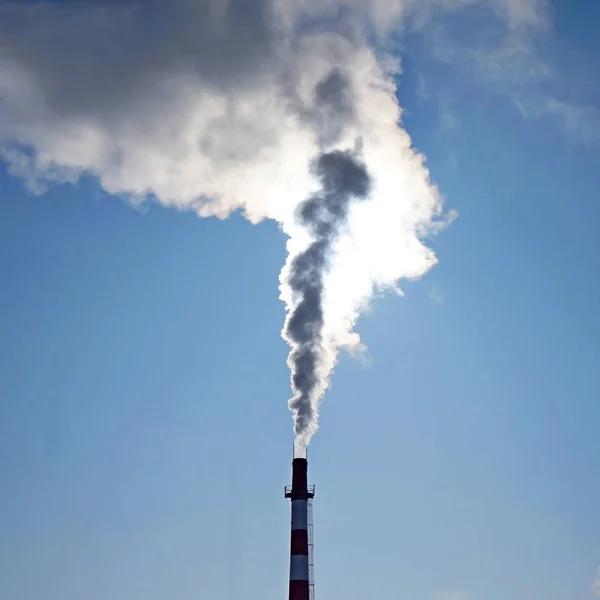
{"x":280,"y":109}
{"x":342,"y":178}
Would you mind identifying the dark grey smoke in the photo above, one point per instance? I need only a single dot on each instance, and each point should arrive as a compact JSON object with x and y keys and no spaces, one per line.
{"x":330,"y":110}
{"x":114,"y":52}
{"x":343,"y":177}
{"x":334,"y":107}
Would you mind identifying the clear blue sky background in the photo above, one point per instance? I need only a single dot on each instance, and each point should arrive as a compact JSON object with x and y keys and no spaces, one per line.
{"x":144,"y":434}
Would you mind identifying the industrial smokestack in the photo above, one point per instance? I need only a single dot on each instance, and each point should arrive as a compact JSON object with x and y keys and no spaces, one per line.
{"x":301,"y":496}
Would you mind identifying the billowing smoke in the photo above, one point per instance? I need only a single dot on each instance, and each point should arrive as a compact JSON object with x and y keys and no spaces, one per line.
{"x":342,"y":178}
{"x":282,"y":109}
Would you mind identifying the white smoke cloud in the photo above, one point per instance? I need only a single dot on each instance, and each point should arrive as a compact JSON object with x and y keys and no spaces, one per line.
{"x":209,"y":106}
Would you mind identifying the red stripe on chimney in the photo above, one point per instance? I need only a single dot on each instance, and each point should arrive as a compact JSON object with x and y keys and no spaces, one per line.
{"x":299,"y":542}
{"x":299,"y":590}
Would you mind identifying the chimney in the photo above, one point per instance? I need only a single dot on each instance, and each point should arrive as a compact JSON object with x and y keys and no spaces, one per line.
{"x":301,"y":496}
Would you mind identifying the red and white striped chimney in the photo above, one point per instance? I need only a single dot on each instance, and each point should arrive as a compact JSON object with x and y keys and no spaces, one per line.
{"x":300,"y":494}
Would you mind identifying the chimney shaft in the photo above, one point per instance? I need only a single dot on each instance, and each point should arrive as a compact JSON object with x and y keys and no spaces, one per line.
{"x":299,"y":493}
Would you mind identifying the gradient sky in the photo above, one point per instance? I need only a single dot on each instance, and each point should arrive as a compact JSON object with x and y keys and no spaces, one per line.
{"x":144,"y":434}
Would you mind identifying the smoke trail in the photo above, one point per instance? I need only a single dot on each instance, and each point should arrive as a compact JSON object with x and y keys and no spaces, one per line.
{"x":215,"y":106}
{"x":342,"y":177}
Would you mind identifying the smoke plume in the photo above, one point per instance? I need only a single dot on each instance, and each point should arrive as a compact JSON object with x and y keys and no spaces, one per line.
{"x":281,"y":109}
{"x":342,"y":178}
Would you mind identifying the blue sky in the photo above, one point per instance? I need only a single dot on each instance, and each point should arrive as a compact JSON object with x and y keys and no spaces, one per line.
{"x":144,"y":434}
